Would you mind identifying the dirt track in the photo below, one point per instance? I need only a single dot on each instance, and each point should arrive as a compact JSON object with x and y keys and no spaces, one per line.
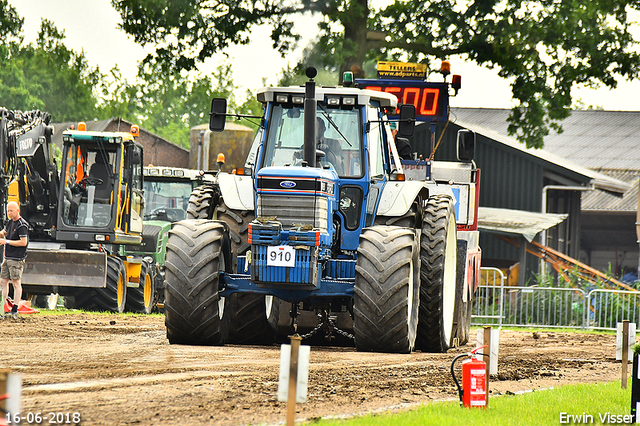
{"x":120,"y":370}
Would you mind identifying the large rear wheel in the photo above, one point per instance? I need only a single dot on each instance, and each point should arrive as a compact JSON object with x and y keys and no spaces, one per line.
{"x":386,"y":292}
{"x":252,"y":318}
{"x":195,"y":258}
{"x":202,"y":202}
{"x":438,"y":246}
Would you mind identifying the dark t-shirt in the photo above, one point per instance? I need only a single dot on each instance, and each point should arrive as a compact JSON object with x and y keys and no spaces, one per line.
{"x":15,"y":230}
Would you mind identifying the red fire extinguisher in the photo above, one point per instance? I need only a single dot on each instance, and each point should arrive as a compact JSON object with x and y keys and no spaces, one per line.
{"x":474,"y":379}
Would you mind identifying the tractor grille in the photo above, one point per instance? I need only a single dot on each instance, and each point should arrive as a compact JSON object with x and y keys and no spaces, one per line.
{"x":293,"y":210}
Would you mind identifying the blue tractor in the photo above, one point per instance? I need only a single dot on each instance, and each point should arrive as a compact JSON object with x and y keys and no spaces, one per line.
{"x":321,"y":219}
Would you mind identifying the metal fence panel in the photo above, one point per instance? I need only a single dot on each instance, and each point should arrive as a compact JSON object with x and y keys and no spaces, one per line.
{"x":606,"y":308}
{"x":527,"y":306}
{"x":487,"y":304}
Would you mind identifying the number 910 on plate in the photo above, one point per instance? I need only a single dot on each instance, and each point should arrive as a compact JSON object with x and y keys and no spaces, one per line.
{"x":281,"y":256}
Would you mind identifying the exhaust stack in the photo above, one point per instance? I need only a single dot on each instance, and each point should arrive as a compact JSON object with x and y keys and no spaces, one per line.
{"x":310,"y":108}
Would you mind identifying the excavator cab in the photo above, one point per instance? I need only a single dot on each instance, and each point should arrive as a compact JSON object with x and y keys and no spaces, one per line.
{"x":101,"y":196}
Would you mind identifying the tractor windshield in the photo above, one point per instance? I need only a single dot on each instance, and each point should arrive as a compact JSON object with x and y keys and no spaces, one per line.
{"x":166,"y":200}
{"x":338,"y":134}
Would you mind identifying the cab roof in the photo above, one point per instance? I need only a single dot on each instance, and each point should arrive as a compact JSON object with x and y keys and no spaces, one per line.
{"x":92,"y":135}
{"x":363,"y":96}
{"x":174,"y":173}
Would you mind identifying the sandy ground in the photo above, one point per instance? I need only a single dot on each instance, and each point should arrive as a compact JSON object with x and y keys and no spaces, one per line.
{"x":121,"y":370}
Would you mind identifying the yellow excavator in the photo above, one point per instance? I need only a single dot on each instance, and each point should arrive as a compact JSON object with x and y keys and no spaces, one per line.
{"x":81,"y":214}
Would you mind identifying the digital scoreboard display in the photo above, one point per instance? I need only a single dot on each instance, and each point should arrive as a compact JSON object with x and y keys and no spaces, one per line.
{"x":430,"y":99}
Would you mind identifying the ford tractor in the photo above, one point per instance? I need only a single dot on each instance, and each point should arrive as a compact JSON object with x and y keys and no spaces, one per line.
{"x":321,"y":219}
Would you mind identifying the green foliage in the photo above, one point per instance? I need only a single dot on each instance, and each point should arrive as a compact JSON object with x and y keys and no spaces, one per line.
{"x":170,"y":103}
{"x":49,"y":76}
{"x":58,"y":76}
{"x":544,"y":48}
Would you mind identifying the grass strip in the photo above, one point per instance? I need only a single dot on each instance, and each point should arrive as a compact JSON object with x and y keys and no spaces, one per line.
{"x":600,"y":403}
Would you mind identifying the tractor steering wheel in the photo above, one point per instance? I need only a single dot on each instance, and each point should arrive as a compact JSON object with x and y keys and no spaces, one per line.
{"x":91,"y":181}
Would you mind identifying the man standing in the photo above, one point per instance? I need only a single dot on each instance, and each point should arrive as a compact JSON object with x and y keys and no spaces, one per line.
{"x":14,"y":237}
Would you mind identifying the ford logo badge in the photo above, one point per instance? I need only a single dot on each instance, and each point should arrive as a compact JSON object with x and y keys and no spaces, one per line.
{"x":287,"y":184}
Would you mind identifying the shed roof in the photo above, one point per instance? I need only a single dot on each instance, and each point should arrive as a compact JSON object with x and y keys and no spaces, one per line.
{"x":594,"y":139}
{"x":599,"y":180}
{"x":101,"y":126}
{"x":507,"y":221}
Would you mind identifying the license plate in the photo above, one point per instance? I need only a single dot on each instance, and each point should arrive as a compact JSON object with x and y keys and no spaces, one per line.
{"x":281,"y":256}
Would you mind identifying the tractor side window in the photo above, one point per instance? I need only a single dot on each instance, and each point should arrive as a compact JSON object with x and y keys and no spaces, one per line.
{"x":166,"y":200}
{"x":285,"y":136}
{"x":376,"y":151}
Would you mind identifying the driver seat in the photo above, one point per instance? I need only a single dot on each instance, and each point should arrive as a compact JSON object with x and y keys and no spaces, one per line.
{"x":100,"y":170}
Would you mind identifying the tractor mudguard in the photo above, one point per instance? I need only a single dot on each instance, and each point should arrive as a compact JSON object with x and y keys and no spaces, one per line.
{"x":237,"y":191}
{"x":398,"y":196}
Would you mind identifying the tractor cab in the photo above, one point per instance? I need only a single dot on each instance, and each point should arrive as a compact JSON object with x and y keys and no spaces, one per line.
{"x":101,"y":188}
{"x":353,"y":157}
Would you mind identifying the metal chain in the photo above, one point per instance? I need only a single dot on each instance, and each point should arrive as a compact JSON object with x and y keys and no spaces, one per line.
{"x":312,"y":332}
{"x":329,"y":326}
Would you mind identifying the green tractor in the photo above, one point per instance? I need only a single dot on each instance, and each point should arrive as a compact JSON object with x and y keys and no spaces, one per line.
{"x":166,"y":192}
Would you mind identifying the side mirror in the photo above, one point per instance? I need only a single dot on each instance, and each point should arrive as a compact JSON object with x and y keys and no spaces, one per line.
{"x":407,"y":121}
{"x":218,"y":114}
{"x":466,"y":145}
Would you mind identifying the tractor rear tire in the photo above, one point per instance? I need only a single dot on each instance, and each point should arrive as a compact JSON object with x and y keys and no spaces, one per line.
{"x":202,"y":202}
{"x":193,"y":307}
{"x":438,"y":248}
{"x":238,"y":221}
{"x":252,"y":318}
{"x":142,"y":299}
{"x":113,"y":297}
{"x":386,"y":291}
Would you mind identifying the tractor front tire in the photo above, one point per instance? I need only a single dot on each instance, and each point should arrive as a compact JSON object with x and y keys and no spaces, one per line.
{"x":113,"y":297}
{"x":438,"y":247}
{"x":193,"y":307}
{"x":386,"y":291}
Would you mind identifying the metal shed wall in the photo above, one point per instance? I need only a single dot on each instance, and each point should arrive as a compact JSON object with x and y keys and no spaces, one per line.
{"x":512,"y":179}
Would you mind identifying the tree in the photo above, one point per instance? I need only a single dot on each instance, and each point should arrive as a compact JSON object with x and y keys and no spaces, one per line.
{"x":170,"y":103}
{"x":545,"y":46}
{"x":58,"y":76}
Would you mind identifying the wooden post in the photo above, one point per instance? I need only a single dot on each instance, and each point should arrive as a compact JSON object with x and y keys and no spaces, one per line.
{"x":487,"y":359}
{"x":293,"y":380}
{"x":625,"y":352}
{"x":4,"y":374}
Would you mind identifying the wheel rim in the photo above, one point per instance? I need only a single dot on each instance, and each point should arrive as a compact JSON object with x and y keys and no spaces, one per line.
{"x":148,"y":291}
{"x":449,"y":280}
{"x":221,"y":300}
{"x":268,"y":304}
{"x":121,"y":287}
{"x":410,"y":289}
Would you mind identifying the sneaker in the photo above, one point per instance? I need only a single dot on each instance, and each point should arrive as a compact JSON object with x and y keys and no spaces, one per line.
{"x":14,"y":311}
